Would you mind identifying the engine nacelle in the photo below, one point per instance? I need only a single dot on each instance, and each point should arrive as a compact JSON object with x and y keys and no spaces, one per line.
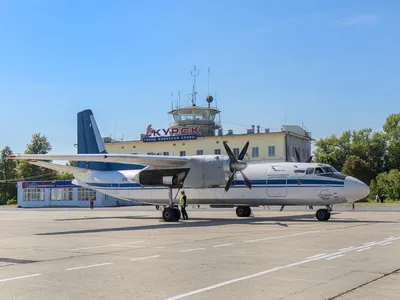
{"x":174,"y":180}
{"x":208,"y":171}
{"x":161,"y":177}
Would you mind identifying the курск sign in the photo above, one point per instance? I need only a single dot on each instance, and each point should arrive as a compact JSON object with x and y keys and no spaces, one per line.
{"x":186,"y":130}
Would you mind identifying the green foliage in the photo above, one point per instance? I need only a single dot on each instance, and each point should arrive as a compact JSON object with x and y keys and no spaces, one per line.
{"x":72,"y":163}
{"x":386,"y":185}
{"x":38,"y":145}
{"x":11,"y":202}
{"x":358,"y":168}
{"x":8,"y":190}
{"x":373,"y":157}
{"x":64,"y":176}
{"x":392,"y":131}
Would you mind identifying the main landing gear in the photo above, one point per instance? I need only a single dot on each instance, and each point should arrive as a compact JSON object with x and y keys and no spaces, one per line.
{"x":323,"y":214}
{"x":171,"y":213}
{"x":243,"y":211}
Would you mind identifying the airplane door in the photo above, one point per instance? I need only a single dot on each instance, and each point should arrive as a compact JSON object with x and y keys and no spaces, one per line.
{"x":277,"y":186}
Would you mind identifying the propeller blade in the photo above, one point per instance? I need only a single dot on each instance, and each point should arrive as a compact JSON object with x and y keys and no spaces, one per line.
{"x":246,"y":180}
{"x":297,"y":155}
{"x":244,"y":151}
{"x":228,"y":184}
{"x":229,"y":151}
{"x":309,"y":159}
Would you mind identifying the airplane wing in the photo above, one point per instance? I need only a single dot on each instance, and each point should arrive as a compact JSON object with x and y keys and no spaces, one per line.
{"x":60,"y":168}
{"x":151,"y":160}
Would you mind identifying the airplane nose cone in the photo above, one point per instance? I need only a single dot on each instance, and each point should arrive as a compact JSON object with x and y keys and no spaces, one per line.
{"x":355,"y":189}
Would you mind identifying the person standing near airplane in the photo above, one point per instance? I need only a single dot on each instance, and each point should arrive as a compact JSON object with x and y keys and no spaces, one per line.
{"x":183,"y":204}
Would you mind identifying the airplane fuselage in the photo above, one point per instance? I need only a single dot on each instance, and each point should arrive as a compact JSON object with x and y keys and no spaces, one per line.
{"x":272,"y":184}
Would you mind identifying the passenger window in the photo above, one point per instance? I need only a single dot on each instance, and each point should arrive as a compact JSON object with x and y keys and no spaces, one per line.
{"x":318,"y":171}
{"x":310,"y":170}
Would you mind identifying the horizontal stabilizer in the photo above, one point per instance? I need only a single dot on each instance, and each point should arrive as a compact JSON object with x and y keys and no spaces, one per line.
{"x":59,"y":168}
{"x":151,"y":160}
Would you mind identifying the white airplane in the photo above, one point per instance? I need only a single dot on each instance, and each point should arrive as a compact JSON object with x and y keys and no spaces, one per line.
{"x":215,"y":180}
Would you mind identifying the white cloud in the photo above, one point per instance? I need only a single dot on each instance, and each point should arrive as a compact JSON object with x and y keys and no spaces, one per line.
{"x":358,"y":19}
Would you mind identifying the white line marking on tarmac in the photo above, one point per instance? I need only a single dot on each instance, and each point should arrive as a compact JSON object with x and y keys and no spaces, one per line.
{"x":221,"y":284}
{"x":344,"y":249}
{"x":147,"y":257}
{"x":20,"y":277}
{"x":387,"y":243}
{"x":111,"y":245}
{"x":363,"y":249}
{"x":129,"y":246}
{"x":91,"y":266}
{"x":241,"y":279}
{"x":318,"y":255}
{"x":189,"y":250}
{"x":333,"y":257}
{"x":370,"y":243}
{"x":282,"y":236}
{"x":160,"y":247}
{"x":223,"y":245}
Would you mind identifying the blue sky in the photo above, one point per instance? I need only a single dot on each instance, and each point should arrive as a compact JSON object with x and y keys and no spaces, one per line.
{"x":333,"y":65}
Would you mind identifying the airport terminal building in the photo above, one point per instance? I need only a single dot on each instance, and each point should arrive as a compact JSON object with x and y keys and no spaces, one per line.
{"x":62,"y":194}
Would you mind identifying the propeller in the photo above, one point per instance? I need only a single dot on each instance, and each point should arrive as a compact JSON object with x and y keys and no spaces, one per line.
{"x":309,"y":160}
{"x":237,"y":165}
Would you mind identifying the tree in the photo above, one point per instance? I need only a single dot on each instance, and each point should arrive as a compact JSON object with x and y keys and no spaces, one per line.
{"x":38,"y":145}
{"x":386,"y":185}
{"x":392,"y":130}
{"x":369,"y":146}
{"x":358,"y":168}
{"x":72,"y":163}
{"x":8,"y":190}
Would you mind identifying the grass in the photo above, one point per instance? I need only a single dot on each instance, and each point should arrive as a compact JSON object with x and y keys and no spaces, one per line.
{"x":389,"y":203}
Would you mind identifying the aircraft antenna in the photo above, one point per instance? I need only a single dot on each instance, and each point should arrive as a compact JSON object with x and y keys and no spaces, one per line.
{"x":194,"y":73}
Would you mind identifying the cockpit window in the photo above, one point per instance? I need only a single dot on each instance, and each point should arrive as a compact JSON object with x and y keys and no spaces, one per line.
{"x":329,"y":169}
{"x":310,"y":170}
{"x":318,"y":170}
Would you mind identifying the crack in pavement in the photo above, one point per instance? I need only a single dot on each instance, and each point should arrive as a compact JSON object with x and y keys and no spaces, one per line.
{"x":364,"y":284}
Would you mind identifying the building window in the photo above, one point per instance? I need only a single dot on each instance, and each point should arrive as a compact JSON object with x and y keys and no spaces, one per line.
{"x":182,"y":153}
{"x":254,"y":152}
{"x":33,"y":194}
{"x":271,"y":150}
{"x":86,"y":194}
{"x":235,"y":152}
{"x":199,"y":152}
{"x":166,"y":153}
{"x":61,"y":194}
{"x":217,"y":151}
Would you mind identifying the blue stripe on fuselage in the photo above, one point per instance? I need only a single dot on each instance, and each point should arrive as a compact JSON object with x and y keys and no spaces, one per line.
{"x":255,"y":183}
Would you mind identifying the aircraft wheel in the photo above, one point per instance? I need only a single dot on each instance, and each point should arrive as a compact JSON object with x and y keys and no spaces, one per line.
{"x":243,"y":211}
{"x":169,"y":214}
{"x":323,"y":215}
{"x":248,"y":211}
{"x":177,"y":214}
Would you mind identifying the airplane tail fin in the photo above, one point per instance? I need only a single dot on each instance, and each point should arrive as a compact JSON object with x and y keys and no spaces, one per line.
{"x":90,"y":141}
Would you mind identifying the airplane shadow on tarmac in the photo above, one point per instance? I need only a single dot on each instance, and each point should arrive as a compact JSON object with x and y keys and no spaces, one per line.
{"x":208,"y":222}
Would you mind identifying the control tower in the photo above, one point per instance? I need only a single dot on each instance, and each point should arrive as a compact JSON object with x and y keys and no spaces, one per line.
{"x":202,"y":117}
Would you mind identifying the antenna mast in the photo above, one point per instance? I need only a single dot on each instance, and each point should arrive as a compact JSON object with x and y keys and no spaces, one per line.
{"x":208,"y":89}
{"x":194,"y":93}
